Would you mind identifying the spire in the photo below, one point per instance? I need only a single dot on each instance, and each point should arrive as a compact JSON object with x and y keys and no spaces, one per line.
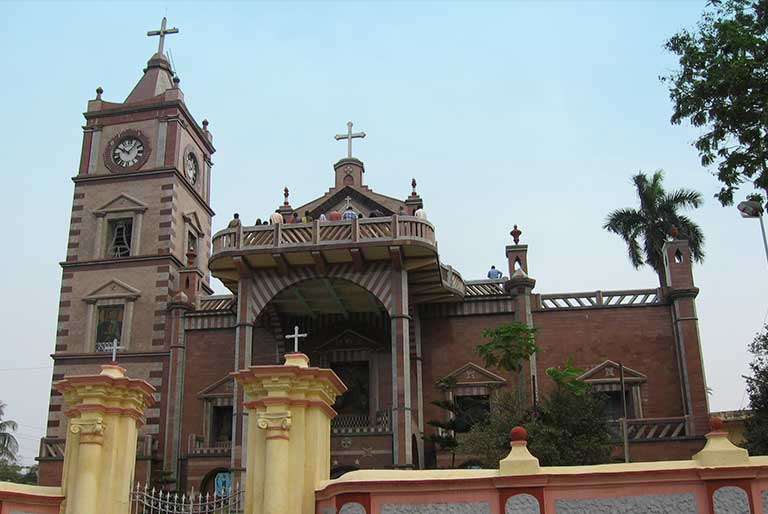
{"x":158,"y":76}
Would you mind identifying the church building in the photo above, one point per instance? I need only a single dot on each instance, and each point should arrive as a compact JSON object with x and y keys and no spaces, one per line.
{"x":357,"y":283}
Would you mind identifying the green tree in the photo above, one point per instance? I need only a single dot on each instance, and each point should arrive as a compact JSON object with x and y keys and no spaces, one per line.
{"x":569,"y":426}
{"x":461,"y":415}
{"x":8,"y":444}
{"x":721,"y":87}
{"x":756,"y":426}
{"x":18,"y":474}
{"x":489,"y":441}
{"x":654,"y":220}
{"x":507,"y":348}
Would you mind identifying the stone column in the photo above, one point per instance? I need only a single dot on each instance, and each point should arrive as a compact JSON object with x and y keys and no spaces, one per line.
{"x":105,"y":412}
{"x":520,"y":286}
{"x":289,"y":434}
{"x":401,"y":369}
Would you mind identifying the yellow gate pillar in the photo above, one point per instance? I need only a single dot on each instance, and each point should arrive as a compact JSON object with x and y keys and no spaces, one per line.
{"x":105,"y":412}
{"x":289,"y":434}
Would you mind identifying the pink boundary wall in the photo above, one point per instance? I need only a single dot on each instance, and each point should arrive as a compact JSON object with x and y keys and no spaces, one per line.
{"x":546,"y":487}
{"x":29,"y":499}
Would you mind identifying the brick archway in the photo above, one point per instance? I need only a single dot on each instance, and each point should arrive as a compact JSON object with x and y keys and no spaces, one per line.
{"x":265,"y":285}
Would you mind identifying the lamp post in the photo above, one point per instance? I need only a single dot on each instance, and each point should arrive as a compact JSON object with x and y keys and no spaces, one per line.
{"x":754,"y":209}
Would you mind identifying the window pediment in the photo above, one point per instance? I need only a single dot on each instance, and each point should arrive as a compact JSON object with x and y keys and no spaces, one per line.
{"x":472,"y":374}
{"x":349,"y":340}
{"x":194,"y":222}
{"x":114,"y":289}
{"x":222,"y":387}
{"x":609,"y":371}
{"x":121,"y":203}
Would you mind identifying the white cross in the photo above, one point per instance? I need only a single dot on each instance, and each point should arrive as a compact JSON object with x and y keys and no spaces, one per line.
{"x":295,"y":336}
{"x":348,"y":202}
{"x":162,"y":32}
{"x":349,"y":136}
{"x":114,"y":348}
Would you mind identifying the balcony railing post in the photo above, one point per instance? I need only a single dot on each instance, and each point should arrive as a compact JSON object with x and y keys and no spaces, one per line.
{"x":395,"y":226}
{"x":278,"y":234}
{"x":239,"y":236}
{"x":599,"y":297}
{"x":355,"y":230}
{"x":315,"y":231}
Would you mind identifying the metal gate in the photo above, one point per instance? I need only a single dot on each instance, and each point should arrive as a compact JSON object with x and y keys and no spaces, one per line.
{"x":155,"y":501}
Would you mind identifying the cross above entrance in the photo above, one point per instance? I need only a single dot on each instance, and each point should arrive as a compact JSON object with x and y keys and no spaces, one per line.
{"x":349,"y":136}
{"x":295,"y":336}
{"x":114,"y":347}
{"x":162,"y":32}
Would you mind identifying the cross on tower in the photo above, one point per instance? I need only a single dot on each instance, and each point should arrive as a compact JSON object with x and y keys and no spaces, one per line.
{"x":349,"y":136}
{"x":295,"y":336}
{"x":115,"y":346}
{"x":162,"y":32}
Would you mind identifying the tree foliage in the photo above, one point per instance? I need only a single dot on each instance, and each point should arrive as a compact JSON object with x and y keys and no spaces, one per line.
{"x":721,"y":86}
{"x":9,"y":447}
{"x":506,"y":348}
{"x":756,"y":426}
{"x":652,"y":222}
{"x":18,"y":474}
{"x":567,"y":427}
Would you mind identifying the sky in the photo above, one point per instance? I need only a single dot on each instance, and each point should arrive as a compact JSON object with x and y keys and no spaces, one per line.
{"x":535,"y":114}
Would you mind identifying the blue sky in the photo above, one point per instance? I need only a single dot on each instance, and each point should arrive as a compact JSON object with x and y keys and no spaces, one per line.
{"x":505,"y":112}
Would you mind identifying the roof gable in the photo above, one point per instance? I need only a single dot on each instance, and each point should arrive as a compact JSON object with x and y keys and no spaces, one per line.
{"x":350,"y":340}
{"x":222,"y":387}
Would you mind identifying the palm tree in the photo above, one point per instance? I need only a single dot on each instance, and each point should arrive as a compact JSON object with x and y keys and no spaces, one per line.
{"x":8,"y":444}
{"x":653,"y":221}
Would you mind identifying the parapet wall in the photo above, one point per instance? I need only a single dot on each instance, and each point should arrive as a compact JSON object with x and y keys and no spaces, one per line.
{"x":721,"y":479}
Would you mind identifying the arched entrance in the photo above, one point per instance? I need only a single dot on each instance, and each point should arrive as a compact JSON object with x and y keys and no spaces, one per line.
{"x":349,"y":331}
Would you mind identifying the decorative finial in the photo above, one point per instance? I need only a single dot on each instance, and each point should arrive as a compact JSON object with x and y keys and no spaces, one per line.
{"x":191,"y":256}
{"x":674,"y":232}
{"x":413,"y":186}
{"x":176,"y":81}
{"x":518,"y":433}
{"x":285,"y":194}
{"x":716,"y":424}
{"x":205,"y":125}
{"x":99,"y":91}
{"x":515,"y":233}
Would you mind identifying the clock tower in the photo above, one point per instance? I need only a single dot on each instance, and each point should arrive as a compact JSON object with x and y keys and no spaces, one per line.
{"x":140,"y":225}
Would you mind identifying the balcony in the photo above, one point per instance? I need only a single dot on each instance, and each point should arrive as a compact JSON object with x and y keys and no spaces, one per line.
{"x":350,"y":424}
{"x":651,"y":429}
{"x":197,"y":445}
{"x":405,"y":241}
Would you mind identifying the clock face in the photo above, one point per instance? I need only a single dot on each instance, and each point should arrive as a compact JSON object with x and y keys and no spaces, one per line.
{"x":191,"y":168}
{"x":128,"y":152}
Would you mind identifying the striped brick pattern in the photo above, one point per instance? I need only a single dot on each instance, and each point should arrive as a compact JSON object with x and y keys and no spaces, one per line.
{"x":167,"y":228}
{"x":165,"y":277}
{"x":75,"y":222}
{"x":65,"y":303}
{"x":266,"y":284}
{"x":468,"y":308}
{"x":209,"y":321}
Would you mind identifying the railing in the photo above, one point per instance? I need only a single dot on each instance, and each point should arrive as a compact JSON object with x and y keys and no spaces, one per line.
{"x":593,"y":299}
{"x":197,"y":446}
{"x":650,"y":429}
{"x":486,"y":288}
{"x":322,"y":233}
{"x":152,"y":501}
{"x":452,"y":279}
{"x":361,"y":423}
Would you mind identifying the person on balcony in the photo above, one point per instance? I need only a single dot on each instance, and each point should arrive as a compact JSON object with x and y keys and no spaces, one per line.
{"x":349,"y":214}
{"x":376,"y":214}
{"x":420,"y":213}
{"x":322,"y":217}
{"x":276,"y":218}
{"x":306,"y":218}
{"x":494,"y":274}
{"x":295,"y":218}
{"x":334,"y":216}
{"x":235,"y":221}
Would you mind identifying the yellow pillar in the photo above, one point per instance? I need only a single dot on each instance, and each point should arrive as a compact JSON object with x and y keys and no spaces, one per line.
{"x":105,"y":412}
{"x":289,"y":432}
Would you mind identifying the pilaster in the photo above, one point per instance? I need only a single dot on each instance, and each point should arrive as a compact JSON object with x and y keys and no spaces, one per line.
{"x":401,"y":374}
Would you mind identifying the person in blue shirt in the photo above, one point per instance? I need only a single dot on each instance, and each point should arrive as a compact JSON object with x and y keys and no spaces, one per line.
{"x":494,"y":274}
{"x":349,"y":214}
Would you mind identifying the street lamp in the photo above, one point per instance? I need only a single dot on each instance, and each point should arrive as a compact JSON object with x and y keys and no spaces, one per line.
{"x":754,"y":209}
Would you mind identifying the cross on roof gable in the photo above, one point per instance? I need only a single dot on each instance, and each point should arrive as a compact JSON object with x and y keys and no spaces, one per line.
{"x":338,"y":201}
{"x":472,"y":374}
{"x":608,"y":371}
